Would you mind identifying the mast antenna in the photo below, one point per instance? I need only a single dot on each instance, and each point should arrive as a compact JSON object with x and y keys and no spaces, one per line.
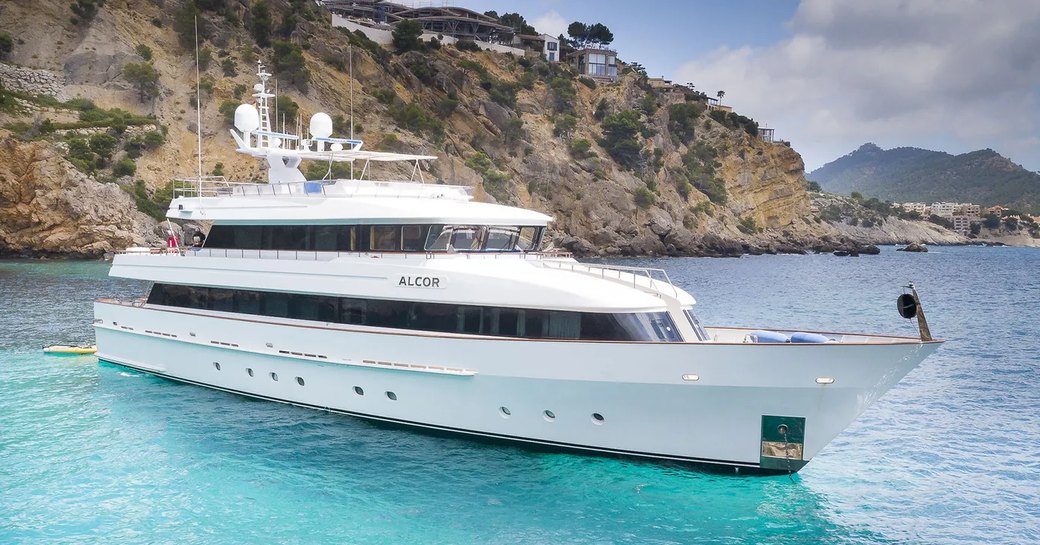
{"x":198,"y":105}
{"x":350,"y":60}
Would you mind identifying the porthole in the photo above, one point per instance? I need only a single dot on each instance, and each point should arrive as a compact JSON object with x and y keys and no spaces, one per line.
{"x":274,"y":376}
{"x":549,"y":415}
{"x":504,"y":411}
{"x":299,"y":380}
{"x":391,"y":396}
{"x":216,"y":365}
{"x":597,"y":419}
{"x":359,"y":390}
{"x":249,"y":371}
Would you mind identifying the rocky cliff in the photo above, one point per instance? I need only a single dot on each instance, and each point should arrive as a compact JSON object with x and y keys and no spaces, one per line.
{"x":49,"y":208}
{"x":624,"y":168}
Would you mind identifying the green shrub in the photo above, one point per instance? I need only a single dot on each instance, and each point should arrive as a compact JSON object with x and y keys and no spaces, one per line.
{"x":124,"y":167}
{"x":144,"y":77}
{"x":682,"y":120}
{"x":580,"y":148}
{"x":620,"y":133}
{"x":565,"y":125}
{"x":700,"y":162}
{"x":154,"y":205}
{"x":587,"y":82}
{"x":205,"y":57}
{"x":227,"y":111}
{"x":384,"y":96}
{"x":407,"y":36}
{"x":289,"y":63}
{"x":85,"y":10}
{"x":747,"y":225}
{"x":287,"y":108}
{"x":684,"y":188}
{"x":467,"y":45}
{"x":227,"y":66}
{"x":414,"y":118}
{"x":103,"y":145}
{"x":602,"y":109}
{"x":467,"y":65}
{"x":564,"y":94}
{"x":81,"y":156}
{"x":446,"y":106}
{"x":644,"y":197}
{"x":513,"y":132}
{"x":144,"y":52}
{"x":648,"y":104}
{"x":260,"y":25}
{"x":377,"y":52}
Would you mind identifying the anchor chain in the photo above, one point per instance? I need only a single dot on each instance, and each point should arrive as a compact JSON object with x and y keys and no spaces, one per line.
{"x":782,"y":428}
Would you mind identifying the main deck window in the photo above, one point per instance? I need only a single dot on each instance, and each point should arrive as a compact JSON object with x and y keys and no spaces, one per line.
{"x":439,"y":317}
{"x":376,"y":238}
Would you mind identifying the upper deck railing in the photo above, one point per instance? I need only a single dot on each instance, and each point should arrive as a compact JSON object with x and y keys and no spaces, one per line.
{"x":220,"y":187}
{"x":317,"y":255}
{"x":618,"y":273}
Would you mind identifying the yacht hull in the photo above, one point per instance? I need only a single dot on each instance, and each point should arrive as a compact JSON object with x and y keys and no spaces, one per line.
{"x":691,"y":402}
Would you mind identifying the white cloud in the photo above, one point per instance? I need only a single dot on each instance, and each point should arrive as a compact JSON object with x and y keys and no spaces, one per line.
{"x":955,"y":76}
{"x":551,"y":23}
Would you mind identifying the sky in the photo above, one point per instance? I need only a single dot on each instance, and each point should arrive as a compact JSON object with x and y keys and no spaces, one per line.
{"x":831,"y":75}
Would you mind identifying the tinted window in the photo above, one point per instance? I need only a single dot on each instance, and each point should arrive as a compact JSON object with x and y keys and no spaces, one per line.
{"x":364,"y":238}
{"x":325,"y":237}
{"x":472,"y":319}
{"x":501,"y":238}
{"x":386,"y":237}
{"x":412,"y":238}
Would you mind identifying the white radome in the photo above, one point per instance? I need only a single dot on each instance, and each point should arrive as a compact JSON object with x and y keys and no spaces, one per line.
{"x":247,"y":118}
{"x":321,"y":125}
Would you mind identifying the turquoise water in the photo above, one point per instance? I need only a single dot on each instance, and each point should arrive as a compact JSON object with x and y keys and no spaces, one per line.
{"x":94,"y":453}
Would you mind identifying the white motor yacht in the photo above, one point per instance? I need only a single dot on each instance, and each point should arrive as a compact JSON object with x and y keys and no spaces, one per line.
{"x":407,"y":302}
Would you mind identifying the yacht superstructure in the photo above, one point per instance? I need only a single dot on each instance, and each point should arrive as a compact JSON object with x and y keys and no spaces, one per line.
{"x":407,"y":302}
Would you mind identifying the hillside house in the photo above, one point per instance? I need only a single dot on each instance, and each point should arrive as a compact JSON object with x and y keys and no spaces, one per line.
{"x":594,"y":62}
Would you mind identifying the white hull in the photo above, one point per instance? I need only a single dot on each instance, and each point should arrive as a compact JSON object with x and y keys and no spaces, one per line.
{"x":460,"y":383}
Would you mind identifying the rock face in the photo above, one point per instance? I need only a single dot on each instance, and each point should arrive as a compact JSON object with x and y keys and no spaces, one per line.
{"x":47,"y":207}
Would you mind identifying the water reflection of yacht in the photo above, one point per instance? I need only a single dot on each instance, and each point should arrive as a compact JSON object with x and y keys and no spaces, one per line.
{"x":407,"y":302}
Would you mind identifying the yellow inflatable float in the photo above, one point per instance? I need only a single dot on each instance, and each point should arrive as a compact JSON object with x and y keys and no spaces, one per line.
{"x":61,"y":349}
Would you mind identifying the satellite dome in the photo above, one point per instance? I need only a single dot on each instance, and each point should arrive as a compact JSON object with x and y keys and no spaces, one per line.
{"x":321,"y":125}
{"x":247,"y":118}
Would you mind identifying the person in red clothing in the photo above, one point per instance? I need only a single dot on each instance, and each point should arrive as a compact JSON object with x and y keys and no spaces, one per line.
{"x":172,"y":242}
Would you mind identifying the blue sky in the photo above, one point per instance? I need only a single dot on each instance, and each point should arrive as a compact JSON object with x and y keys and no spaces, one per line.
{"x":830,"y":75}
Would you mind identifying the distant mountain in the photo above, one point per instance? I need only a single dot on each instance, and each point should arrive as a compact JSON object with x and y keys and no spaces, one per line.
{"x":913,"y":174}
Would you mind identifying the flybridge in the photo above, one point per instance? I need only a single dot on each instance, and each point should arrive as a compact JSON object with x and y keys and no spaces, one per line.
{"x":283,"y":151}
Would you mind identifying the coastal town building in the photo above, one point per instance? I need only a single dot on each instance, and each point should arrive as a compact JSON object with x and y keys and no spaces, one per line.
{"x":716,"y":104}
{"x":943,"y":209}
{"x":919,"y":207}
{"x":659,"y":83}
{"x":962,"y":224}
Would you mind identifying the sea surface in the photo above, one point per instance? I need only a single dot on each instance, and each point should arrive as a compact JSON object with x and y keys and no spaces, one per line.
{"x":92,"y":453}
